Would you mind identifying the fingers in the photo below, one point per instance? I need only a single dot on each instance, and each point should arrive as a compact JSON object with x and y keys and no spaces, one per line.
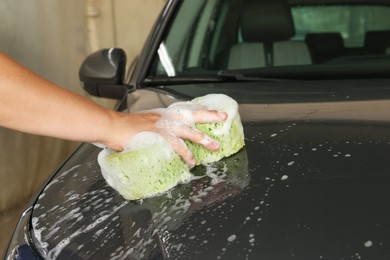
{"x":190,"y":133}
{"x":194,"y":113}
{"x":180,"y":148}
{"x":176,"y":124}
{"x":209,"y":116}
{"x":187,"y":132}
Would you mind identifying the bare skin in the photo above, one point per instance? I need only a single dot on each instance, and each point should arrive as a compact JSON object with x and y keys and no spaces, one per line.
{"x":31,"y":104}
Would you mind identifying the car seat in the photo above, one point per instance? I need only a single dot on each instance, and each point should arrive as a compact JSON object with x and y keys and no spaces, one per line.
{"x":376,"y":42}
{"x":266,"y":28}
{"x":324,"y":46}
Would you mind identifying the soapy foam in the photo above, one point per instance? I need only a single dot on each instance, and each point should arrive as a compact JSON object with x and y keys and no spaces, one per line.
{"x":166,"y":215}
{"x":143,"y":140}
{"x":222,"y":103}
{"x":171,"y":127}
{"x":182,"y":111}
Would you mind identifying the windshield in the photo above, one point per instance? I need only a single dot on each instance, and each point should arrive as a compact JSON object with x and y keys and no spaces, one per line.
{"x":275,"y":38}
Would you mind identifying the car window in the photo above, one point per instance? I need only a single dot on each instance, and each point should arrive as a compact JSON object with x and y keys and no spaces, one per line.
{"x":186,"y":38}
{"x":275,"y":38}
{"x":352,"y":22}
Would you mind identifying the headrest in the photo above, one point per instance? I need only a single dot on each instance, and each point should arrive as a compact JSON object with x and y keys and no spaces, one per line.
{"x":266,"y":21}
{"x":377,"y":41}
{"x":327,"y":40}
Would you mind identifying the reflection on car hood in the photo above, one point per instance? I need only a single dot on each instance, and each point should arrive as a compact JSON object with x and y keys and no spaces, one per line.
{"x":311,"y":182}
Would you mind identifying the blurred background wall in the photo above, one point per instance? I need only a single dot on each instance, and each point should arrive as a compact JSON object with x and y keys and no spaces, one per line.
{"x":52,"y":37}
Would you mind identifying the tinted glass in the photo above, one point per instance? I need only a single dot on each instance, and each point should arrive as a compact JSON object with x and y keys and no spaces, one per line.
{"x":209,"y":36}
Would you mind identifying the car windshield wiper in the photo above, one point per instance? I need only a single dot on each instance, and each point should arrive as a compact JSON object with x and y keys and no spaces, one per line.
{"x":181,"y":79}
{"x":227,"y":75}
{"x":221,"y":76}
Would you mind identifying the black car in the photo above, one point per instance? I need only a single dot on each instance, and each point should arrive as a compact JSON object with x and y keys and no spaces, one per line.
{"x":312,"y":78}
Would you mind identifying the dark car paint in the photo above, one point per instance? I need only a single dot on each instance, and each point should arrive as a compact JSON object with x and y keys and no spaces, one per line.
{"x":311,"y":183}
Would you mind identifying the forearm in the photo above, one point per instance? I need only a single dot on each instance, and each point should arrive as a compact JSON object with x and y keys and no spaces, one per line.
{"x":31,"y":104}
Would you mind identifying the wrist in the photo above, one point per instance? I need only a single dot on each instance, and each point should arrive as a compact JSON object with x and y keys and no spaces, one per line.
{"x":111,"y":135}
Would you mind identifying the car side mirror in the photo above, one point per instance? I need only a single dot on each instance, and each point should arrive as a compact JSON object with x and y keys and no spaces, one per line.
{"x":102,"y":73}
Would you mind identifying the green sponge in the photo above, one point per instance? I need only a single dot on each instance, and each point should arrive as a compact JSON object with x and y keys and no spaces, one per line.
{"x":145,"y":171}
{"x":151,"y":166}
{"x":229,"y":134}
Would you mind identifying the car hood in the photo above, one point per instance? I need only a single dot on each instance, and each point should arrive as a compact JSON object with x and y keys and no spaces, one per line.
{"x":311,"y":182}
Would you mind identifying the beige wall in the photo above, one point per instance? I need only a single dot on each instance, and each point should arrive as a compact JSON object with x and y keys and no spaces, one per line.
{"x":52,"y":37}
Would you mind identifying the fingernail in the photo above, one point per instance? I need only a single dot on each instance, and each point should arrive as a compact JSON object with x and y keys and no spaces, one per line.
{"x":222,"y":115}
{"x":214,"y":145}
{"x":209,"y":143}
{"x":192,"y":161}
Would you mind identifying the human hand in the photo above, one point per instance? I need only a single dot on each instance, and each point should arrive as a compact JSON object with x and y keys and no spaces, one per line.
{"x":175,"y":124}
